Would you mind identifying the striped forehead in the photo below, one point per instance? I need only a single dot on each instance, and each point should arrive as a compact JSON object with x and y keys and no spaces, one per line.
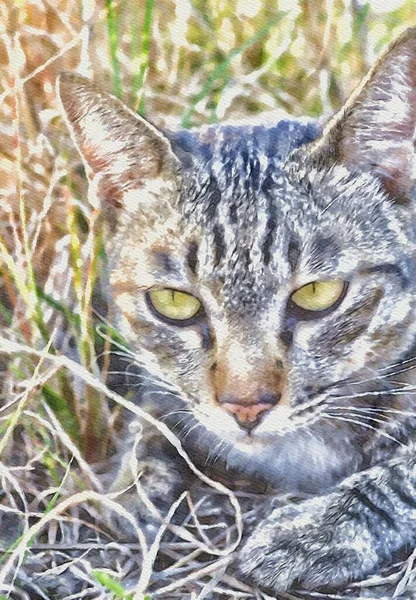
{"x":244,"y":205}
{"x":261,"y":217}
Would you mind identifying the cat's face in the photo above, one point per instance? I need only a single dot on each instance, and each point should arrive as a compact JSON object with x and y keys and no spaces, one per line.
{"x":261,"y":285}
{"x":243,"y":260}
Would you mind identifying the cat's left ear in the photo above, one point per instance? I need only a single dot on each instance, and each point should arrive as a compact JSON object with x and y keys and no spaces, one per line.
{"x":121,"y":151}
{"x":375,"y":130}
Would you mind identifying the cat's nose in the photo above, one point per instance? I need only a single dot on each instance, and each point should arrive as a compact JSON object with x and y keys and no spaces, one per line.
{"x":248,"y":416}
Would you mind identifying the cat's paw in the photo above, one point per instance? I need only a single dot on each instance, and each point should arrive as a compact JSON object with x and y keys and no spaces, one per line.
{"x":321,"y":543}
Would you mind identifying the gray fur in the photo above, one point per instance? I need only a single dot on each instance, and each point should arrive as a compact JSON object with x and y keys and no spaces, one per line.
{"x":242,"y":217}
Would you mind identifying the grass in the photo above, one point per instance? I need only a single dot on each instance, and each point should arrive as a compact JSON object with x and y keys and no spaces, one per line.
{"x":222,"y":71}
{"x":188,"y":62}
{"x":113,"y":39}
{"x":143,"y":54}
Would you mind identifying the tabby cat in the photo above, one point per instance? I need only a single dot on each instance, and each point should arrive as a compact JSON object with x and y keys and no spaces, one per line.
{"x":268,"y":275}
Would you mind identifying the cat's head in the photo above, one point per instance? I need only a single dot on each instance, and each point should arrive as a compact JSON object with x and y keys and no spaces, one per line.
{"x":258,"y":277}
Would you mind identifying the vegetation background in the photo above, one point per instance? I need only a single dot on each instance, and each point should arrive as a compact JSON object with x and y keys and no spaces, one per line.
{"x":180,"y":63}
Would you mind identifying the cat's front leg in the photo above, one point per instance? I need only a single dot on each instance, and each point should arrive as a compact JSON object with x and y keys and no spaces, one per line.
{"x":328,"y":541}
{"x":146,"y":479}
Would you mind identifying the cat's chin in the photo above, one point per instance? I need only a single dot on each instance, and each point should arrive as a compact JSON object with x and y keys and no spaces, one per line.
{"x":252,"y":445}
{"x":299,"y":461}
{"x":276,"y":424}
{"x":310,"y":456}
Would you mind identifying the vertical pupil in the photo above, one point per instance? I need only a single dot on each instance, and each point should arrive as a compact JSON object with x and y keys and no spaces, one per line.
{"x":313,"y":287}
{"x":173,"y":296}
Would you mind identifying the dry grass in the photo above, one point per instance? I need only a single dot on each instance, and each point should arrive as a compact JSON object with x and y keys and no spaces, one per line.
{"x":188,"y":62}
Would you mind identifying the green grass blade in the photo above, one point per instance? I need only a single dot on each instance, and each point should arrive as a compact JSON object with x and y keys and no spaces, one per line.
{"x":141,"y":53}
{"x":71,"y":317}
{"x":113,"y":586}
{"x":223,"y":66}
{"x":114,"y":44}
{"x":64,"y":406}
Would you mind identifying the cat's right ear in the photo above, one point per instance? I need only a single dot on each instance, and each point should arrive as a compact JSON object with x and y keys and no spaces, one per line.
{"x":121,"y":151}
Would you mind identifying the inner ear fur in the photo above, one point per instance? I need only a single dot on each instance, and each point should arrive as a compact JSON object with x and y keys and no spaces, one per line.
{"x":117,"y":145}
{"x":375,"y":130}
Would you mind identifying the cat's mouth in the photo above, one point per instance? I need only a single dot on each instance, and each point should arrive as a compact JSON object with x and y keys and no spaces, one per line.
{"x":292,"y":448}
{"x":285,"y":420}
{"x":278,"y":422}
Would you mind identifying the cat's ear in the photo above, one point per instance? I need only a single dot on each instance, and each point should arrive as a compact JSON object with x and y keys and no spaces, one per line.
{"x":119,"y":148}
{"x":375,"y":131}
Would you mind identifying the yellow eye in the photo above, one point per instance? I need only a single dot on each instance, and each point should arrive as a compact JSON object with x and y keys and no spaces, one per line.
{"x":173,"y":304}
{"x":318,"y":295}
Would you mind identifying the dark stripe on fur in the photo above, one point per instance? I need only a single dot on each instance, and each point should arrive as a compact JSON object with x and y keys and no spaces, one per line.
{"x":364,"y":499}
{"x":214,"y":196}
{"x":271,"y":230}
{"x":404,"y":496}
{"x":219,"y":243}
{"x":390,"y":269}
{"x":192,"y":257}
{"x":293,"y":254}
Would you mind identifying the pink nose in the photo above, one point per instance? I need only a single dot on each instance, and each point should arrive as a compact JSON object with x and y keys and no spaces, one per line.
{"x":247,"y":416}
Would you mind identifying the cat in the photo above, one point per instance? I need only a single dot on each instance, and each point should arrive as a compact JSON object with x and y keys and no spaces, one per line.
{"x":268,"y":275}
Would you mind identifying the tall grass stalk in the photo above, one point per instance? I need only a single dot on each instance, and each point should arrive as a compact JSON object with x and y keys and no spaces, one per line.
{"x":140,"y":53}
{"x":84,"y":269}
{"x":114,"y":43}
{"x":27,"y":280}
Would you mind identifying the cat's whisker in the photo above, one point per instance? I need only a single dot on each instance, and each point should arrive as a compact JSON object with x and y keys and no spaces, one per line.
{"x":383,"y":376}
{"x":372,"y":393}
{"x":155,"y":378}
{"x":379,"y":375}
{"x":398,"y":383}
{"x":367,"y":409}
{"x":394,"y":373}
{"x":377,"y":410}
{"x":352,"y":413}
{"x":398,"y":364}
{"x":146,"y":391}
{"x":135,"y":361}
{"x":373,"y":379}
{"x":184,"y":419}
{"x":215,"y":454}
{"x":189,"y":431}
{"x":172,"y":413}
{"x":163,"y":392}
{"x":120,"y":354}
{"x":156,"y":384}
{"x":366,"y":425}
{"x":160,"y":387}
{"x":130,"y":374}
